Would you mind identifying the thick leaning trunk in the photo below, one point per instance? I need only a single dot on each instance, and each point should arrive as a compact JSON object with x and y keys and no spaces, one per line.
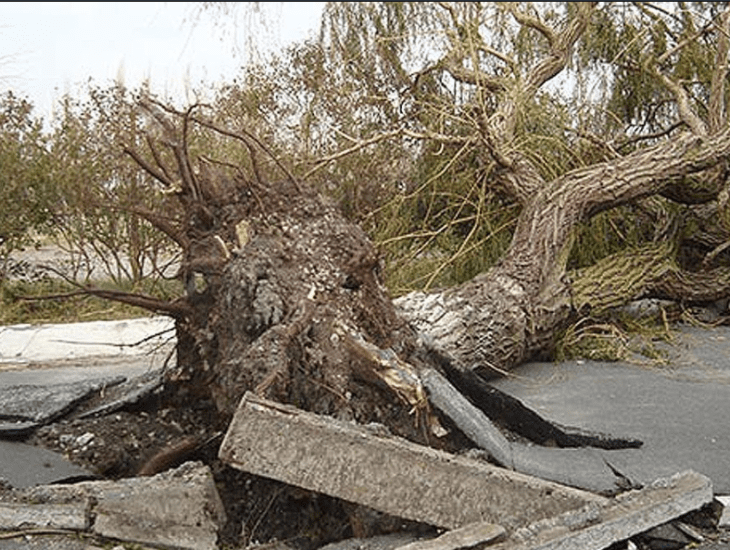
{"x":509,"y":314}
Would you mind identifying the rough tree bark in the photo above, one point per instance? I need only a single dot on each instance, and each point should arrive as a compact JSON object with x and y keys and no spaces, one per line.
{"x":505,"y":316}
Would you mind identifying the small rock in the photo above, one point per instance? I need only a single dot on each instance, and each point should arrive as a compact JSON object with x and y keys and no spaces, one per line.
{"x":382,"y":542}
{"x":665,"y":537}
{"x":85,"y":439}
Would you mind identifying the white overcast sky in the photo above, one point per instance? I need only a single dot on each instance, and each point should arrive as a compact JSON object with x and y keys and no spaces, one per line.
{"x":51,"y":48}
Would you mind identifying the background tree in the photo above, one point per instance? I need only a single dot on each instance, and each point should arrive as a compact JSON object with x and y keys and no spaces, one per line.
{"x":24,"y":179}
{"x":100,"y":220}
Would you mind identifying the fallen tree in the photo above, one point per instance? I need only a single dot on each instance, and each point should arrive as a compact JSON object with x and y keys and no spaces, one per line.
{"x":284,"y":296}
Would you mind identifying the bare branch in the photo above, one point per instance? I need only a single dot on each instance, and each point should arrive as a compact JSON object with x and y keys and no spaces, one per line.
{"x":532,"y":22}
{"x":561,"y":46}
{"x":716,"y":108}
{"x":648,"y":137}
{"x":156,"y":156}
{"x":163,"y":224}
{"x":151,"y":170}
{"x":244,"y":139}
{"x":176,"y":308}
{"x":155,"y":107}
{"x":451,"y":63}
{"x":441,"y":138}
{"x":187,"y":170}
{"x":686,"y":113}
{"x":361,"y":144}
{"x":474,"y":36}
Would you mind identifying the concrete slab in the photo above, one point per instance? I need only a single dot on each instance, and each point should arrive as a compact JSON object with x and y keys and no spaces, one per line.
{"x":725,"y":518}
{"x":45,"y":541}
{"x":68,"y":515}
{"x":386,"y":473}
{"x":680,"y":411}
{"x":37,"y":343}
{"x":598,"y":527}
{"x":179,"y":508}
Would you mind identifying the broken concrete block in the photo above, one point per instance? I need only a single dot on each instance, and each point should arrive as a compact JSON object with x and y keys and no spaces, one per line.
{"x":596,"y":526}
{"x":386,"y":473}
{"x":725,"y":517}
{"x":179,"y":508}
{"x":463,"y":537}
{"x":49,"y":540}
{"x":73,"y":515}
{"x":392,"y":541}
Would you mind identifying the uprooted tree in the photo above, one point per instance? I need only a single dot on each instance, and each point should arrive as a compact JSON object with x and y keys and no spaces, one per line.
{"x":284,"y":294}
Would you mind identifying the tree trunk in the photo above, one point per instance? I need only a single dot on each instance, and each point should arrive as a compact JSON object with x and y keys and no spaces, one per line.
{"x":511,"y":313}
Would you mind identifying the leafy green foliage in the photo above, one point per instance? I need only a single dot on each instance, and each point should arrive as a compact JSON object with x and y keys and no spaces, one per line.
{"x":104,"y":192}
{"x":26,"y":190}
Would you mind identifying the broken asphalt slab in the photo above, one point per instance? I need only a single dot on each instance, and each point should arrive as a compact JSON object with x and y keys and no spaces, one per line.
{"x":32,"y":397}
{"x":23,"y":465}
{"x":679,"y":411}
{"x":44,"y":377}
{"x":46,"y":370}
{"x":25,"y":407}
{"x":179,"y":509}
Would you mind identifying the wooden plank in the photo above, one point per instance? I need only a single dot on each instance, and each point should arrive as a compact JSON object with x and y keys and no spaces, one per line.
{"x":464,"y":537}
{"x":387,"y":473}
{"x":595,"y":527}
